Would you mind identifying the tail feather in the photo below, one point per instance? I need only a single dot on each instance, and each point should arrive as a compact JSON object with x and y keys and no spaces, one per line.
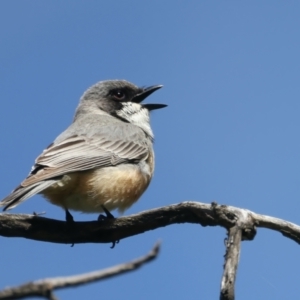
{"x":21,"y":193}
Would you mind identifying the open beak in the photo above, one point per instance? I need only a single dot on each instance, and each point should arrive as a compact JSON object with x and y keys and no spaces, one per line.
{"x":145,"y":93}
{"x":154,"y":106}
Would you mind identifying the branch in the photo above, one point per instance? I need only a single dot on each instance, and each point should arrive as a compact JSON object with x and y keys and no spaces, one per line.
{"x":49,"y":230}
{"x":240,"y":223}
{"x":233,"y":246}
{"x":44,"y":288}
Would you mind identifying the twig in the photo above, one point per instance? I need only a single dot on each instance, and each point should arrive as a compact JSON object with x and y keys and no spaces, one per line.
{"x":44,"y":288}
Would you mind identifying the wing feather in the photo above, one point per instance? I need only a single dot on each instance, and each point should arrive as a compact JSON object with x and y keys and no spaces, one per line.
{"x":78,"y":153}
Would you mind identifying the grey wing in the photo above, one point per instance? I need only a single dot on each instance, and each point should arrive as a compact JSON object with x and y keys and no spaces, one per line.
{"x":73,"y":154}
{"x":79,"y":154}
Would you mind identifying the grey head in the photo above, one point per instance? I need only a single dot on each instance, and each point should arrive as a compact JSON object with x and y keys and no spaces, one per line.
{"x":119,"y":99}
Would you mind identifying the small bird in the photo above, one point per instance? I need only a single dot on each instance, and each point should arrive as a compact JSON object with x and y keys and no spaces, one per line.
{"x":104,"y":160}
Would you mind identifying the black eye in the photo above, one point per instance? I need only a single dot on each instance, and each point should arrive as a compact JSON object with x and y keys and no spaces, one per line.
{"x":118,"y":94}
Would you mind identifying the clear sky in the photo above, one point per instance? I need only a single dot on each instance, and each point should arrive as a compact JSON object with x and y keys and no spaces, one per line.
{"x":230,"y":134}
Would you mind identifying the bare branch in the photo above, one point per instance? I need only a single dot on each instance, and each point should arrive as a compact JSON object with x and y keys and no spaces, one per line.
{"x":233,"y":246}
{"x":44,"y":288}
{"x":240,"y":223}
{"x":44,"y":229}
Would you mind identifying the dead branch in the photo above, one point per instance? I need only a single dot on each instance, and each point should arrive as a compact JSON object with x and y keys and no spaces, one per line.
{"x":44,"y":288}
{"x":233,"y":246}
{"x":240,"y":224}
{"x":49,"y":230}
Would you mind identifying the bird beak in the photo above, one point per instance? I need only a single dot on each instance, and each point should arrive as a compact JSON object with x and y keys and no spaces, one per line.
{"x":145,"y":93}
{"x":154,"y":106}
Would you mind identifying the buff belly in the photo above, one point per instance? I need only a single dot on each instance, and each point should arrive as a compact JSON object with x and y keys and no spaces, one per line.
{"x":114,"y":187}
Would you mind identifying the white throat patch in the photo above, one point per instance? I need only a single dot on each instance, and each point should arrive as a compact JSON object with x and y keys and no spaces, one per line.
{"x":137,"y":115}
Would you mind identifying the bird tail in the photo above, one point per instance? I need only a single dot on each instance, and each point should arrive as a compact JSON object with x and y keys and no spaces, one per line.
{"x":22,"y":193}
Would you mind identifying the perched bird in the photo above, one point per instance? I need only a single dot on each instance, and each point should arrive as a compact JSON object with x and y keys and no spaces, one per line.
{"x":104,"y":160}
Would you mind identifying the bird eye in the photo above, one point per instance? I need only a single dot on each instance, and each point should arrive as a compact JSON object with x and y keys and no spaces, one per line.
{"x":118,"y":94}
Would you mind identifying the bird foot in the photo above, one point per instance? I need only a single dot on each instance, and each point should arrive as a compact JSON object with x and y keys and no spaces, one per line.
{"x":108,"y":215}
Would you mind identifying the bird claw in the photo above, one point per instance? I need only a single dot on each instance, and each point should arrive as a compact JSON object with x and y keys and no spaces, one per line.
{"x":114,"y":244}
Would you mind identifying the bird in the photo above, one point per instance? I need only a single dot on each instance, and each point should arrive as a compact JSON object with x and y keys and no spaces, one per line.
{"x":104,"y":160}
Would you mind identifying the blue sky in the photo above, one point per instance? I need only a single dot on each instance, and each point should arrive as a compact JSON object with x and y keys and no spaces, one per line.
{"x":230,"y":134}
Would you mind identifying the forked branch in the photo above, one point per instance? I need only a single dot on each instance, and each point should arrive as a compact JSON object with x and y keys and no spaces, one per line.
{"x":240,"y":224}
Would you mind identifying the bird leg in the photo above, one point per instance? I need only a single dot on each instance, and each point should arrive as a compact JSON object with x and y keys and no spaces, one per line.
{"x":108,"y":216}
{"x":69,"y":217}
{"x":69,"y":220}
